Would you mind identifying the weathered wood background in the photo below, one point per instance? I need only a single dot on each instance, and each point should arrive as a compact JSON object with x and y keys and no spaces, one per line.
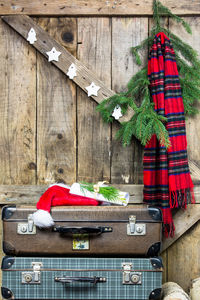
{"x":49,"y":128}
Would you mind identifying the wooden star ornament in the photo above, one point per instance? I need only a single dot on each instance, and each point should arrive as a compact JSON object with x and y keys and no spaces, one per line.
{"x":53,"y":54}
{"x":92,"y":89}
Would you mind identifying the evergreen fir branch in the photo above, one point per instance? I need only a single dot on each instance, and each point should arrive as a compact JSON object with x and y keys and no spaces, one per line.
{"x":145,"y":43}
{"x":137,"y":56}
{"x":162,"y":11}
{"x":186,"y":51}
{"x":156,"y":13}
{"x":110,"y":193}
{"x":185,"y":69}
{"x":107,"y":106}
{"x":145,"y":122}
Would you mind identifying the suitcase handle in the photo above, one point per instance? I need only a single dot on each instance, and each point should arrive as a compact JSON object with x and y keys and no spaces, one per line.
{"x":82,"y":230}
{"x":69,"y":279}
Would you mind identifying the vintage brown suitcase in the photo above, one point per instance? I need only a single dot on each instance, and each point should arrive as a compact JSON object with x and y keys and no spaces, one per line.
{"x":84,"y":230}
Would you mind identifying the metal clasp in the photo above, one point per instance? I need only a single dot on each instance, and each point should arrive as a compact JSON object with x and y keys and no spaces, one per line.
{"x":33,"y":277}
{"x":134,"y":228}
{"x":129,"y":276}
{"x":27,"y":228}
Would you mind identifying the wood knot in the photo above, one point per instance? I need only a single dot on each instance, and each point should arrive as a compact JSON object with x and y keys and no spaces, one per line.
{"x":32,"y":166}
{"x":68,"y":37}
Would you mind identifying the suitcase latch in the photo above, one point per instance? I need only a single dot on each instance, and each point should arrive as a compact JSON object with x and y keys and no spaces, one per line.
{"x":32,"y":277}
{"x":129,"y":276}
{"x":27,"y":228}
{"x":134,"y":228}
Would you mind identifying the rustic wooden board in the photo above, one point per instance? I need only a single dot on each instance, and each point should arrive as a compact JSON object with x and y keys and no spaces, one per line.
{"x":27,"y":193}
{"x":17,"y":109}
{"x":56,"y":111}
{"x":192,"y":123}
{"x":30,"y":194}
{"x":126,"y":33}
{"x":165,"y":263}
{"x":95,"y":7}
{"x":45,"y":42}
{"x":93,"y":134}
{"x":183,"y":258}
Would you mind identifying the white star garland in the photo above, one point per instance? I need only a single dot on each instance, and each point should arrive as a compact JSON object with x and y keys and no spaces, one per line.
{"x":53,"y":54}
{"x":92,"y":89}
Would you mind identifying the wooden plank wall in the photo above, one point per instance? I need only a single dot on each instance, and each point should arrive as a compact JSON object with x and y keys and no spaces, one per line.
{"x":50,"y":131}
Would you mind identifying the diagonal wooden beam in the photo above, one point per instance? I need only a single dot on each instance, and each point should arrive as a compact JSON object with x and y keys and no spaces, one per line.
{"x":44,"y":43}
{"x":183,"y":221}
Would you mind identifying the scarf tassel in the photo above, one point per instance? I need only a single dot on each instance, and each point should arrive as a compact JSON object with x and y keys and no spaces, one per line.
{"x":181,"y":198}
{"x":168,"y":224}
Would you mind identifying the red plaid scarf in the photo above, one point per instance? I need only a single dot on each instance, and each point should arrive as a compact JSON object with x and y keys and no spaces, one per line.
{"x":167,"y":181}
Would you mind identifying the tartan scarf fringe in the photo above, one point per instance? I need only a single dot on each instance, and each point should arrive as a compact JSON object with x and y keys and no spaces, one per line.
{"x":181,"y":198}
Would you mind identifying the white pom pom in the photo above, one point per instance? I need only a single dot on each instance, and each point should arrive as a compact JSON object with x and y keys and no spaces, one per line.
{"x":43,"y":219}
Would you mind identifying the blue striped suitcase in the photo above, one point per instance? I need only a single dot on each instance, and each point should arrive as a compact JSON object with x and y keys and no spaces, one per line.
{"x":81,"y":278}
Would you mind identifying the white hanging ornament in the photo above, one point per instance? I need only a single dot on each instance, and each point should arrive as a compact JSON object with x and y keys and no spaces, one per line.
{"x":53,"y":54}
{"x":31,"y":36}
{"x":72,"y":71}
{"x":92,"y":89}
{"x":117,"y":113}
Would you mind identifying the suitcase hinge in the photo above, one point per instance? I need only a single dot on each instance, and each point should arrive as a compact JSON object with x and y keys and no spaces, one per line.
{"x":129,"y":276}
{"x":134,"y":228}
{"x":33,"y":277}
{"x":27,"y":228}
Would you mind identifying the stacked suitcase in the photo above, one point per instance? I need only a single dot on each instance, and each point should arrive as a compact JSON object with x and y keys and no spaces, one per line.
{"x":105,"y":252}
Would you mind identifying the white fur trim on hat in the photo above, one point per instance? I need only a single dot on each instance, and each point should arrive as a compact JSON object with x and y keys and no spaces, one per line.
{"x":43,"y":219}
{"x":61,"y":185}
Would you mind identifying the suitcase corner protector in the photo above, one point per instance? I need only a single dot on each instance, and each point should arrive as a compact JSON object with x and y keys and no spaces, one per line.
{"x":155,"y":213}
{"x":6,"y":293}
{"x":8,"y":248}
{"x":154,"y":249}
{"x":156,"y":262}
{"x":155,"y":294}
{"x":7,"y":262}
{"x":7,"y":211}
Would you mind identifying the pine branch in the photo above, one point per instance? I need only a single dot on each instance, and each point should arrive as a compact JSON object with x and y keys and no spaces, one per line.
{"x":162,"y":11}
{"x":145,"y":121}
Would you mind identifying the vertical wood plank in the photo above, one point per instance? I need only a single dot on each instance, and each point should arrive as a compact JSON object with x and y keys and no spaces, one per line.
{"x":192,"y":123}
{"x":94,"y":49}
{"x":184,"y":258}
{"x":17,"y":109}
{"x":1,"y":250}
{"x":164,"y":256}
{"x":56,"y":110}
{"x":126,"y":33}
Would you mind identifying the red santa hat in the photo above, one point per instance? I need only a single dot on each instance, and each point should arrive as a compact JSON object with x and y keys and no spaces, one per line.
{"x":57,"y":195}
